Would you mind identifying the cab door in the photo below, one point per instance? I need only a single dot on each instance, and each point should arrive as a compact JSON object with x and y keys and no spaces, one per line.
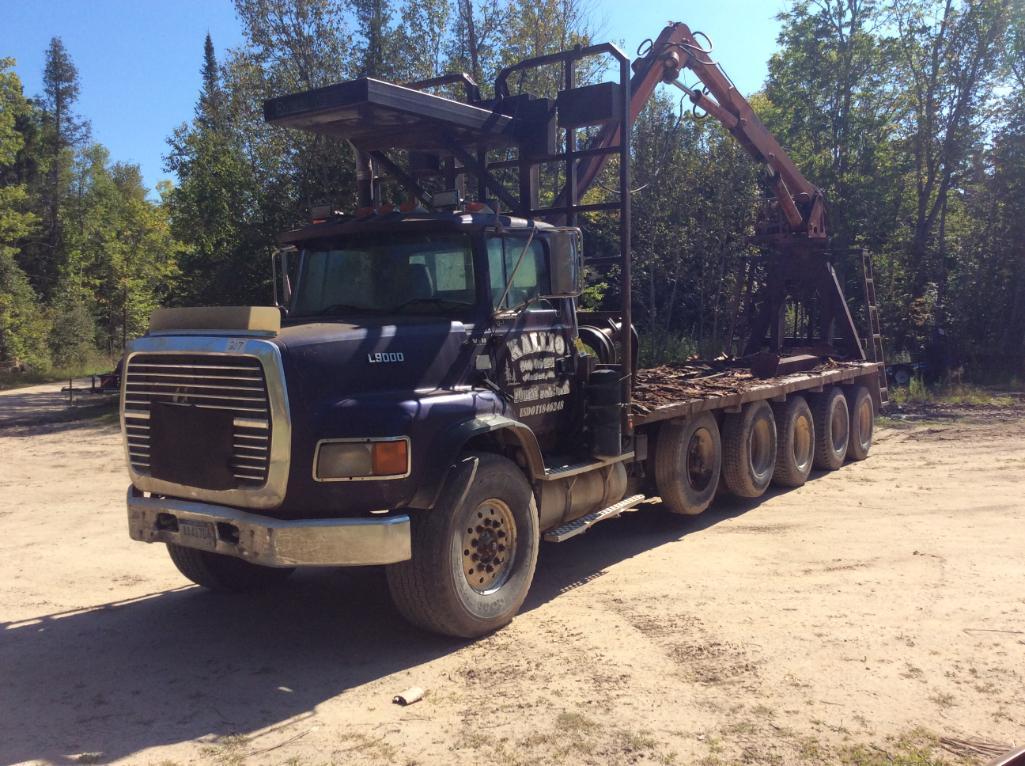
{"x":534,"y":354}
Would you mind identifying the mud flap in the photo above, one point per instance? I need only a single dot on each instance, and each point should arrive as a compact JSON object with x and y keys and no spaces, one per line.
{"x":460,"y":478}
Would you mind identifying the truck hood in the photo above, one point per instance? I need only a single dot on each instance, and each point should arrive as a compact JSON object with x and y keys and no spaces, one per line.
{"x":329,"y":359}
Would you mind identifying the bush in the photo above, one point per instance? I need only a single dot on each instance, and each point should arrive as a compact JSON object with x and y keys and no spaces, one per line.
{"x":23,"y":327}
{"x":73,"y":329}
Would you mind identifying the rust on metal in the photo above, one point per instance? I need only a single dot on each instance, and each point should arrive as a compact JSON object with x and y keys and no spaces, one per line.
{"x":684,"y":388}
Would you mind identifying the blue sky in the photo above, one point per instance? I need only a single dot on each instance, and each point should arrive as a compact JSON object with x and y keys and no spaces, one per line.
{"x":138,"y":60}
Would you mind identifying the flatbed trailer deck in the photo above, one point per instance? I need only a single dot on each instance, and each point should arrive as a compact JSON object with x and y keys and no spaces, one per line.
{"x":678,"y":390}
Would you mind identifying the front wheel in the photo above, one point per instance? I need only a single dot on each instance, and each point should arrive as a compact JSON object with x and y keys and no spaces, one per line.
{"x":474,"y":553}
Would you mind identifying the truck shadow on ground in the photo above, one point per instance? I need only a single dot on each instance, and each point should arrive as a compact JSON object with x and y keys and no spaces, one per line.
{"x":32,"y":414}
{"x":184,"y":664}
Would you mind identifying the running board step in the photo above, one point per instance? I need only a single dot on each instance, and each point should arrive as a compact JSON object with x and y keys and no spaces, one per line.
{"x":584,"y":523}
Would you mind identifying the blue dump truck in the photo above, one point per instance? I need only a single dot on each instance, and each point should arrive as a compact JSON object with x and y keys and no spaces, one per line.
{"x":426,"y":395}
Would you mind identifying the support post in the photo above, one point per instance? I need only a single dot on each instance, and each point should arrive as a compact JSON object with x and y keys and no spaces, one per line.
{"x":364,"y":177}
{"x":624,"y":239}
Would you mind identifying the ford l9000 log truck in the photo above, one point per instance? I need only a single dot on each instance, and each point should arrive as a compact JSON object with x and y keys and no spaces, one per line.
{"x":426,"y":395}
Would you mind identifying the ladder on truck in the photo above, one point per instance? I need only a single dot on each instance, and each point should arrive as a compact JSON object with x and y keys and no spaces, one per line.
{"x":874,"y":346}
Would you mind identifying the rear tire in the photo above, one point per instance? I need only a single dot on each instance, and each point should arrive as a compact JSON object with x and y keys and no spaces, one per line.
{"x":862,"y":422}
{"x":795,"y":435}
{"x":688,"y":460}
{"x":749,"y":450}
{"x":225,"y":574}
{"x":832,"y":429}
{"x":462,"y":579}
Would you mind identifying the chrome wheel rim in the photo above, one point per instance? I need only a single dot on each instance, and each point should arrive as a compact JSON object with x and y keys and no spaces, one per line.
{"x":760,"y":450}
{"x":489,"y":546}
{"x":803,"y":443}
{"x":700,"y":459}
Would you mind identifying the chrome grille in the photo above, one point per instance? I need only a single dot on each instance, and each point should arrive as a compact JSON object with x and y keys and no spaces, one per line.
{"x":232,"y":383}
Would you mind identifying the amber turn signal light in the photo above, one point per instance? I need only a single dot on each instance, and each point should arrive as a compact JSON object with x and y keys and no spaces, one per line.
{"x":391,"y":458}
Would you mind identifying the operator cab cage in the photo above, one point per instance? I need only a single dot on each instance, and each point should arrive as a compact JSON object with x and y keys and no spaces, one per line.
{"x":447,"y":143}
{"x":450,"y":140}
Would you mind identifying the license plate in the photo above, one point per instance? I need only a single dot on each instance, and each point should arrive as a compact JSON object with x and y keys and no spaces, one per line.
{"x":197,"y":534}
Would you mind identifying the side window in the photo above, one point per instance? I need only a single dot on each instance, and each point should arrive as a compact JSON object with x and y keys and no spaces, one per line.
{"x":531,"y":277}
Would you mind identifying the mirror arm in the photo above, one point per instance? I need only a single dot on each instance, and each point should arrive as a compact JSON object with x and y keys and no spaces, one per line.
{"x":508,"y":285}
{"x":280,"y":255}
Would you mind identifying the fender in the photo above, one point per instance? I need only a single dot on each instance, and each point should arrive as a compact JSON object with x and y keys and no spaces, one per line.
{"x":452,"y":441}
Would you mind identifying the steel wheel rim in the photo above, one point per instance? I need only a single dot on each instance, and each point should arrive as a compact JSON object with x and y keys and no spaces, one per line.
{"x":838,"y":429}
{"x":803,"y":447}
{"x":488,"y":546}
{"x":700,"y":459}
{"x":865,"y":423}
{"x":760,"y":448}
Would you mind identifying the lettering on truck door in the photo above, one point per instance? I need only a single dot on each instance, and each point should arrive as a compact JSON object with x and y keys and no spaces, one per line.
{"x":534,"y":349}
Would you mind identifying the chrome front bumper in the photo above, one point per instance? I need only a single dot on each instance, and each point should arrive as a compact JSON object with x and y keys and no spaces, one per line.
{"x":267,"y":541}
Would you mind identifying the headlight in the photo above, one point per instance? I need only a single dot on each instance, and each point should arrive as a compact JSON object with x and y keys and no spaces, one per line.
{"x":355,"y":459}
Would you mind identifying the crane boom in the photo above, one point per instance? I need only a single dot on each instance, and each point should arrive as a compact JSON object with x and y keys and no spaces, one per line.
{"x":799,"y":202}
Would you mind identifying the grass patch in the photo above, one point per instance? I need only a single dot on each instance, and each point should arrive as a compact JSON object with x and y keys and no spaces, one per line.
{"x":572,"y":738}
{"x":916,"y":748}
{"x":94,"y":366}
{"x":227,"y":751}
{"x":944,"y":699}
{"x":375,"y":748}
{"x":918,"y":392}
{"x":570,"y":721}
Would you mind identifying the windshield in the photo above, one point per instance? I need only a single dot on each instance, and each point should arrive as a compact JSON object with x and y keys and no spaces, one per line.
{"x":388,"y":274}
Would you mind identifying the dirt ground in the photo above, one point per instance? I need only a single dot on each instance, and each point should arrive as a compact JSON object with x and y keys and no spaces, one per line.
{"x":856,"y":620}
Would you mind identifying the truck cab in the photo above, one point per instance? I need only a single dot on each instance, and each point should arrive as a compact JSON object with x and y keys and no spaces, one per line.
{"x":406,"y":344}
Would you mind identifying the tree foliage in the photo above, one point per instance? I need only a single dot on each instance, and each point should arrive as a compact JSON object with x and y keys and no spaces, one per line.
{"x":84,"y":254}
{"x":909,"y":114}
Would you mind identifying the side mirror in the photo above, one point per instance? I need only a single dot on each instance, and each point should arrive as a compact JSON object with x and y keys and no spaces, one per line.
{"x":280,"y":265}
{"x":565,"y":263}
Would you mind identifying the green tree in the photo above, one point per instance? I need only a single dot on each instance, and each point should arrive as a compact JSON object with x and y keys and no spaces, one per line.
{"x":214,"y":201}
{"x":949,"y":51}
{"x":22,"y":326}
{"x":380,"y":40}
{"x":831,"y":102}
{"x":478,"y":37}
{"x":210,"y":107}
{"x":423,"y":37}
{"x":121,"y":253}
{"x":63,"y":132}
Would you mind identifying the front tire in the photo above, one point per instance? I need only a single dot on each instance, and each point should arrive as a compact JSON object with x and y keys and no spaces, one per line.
{"x":225,"y":574}
{"x":473,"y":555}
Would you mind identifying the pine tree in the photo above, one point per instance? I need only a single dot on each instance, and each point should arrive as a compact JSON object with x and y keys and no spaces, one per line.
{"x":209,"y":109}
{"x":64,"y":132}
{"x":373,"y":19}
